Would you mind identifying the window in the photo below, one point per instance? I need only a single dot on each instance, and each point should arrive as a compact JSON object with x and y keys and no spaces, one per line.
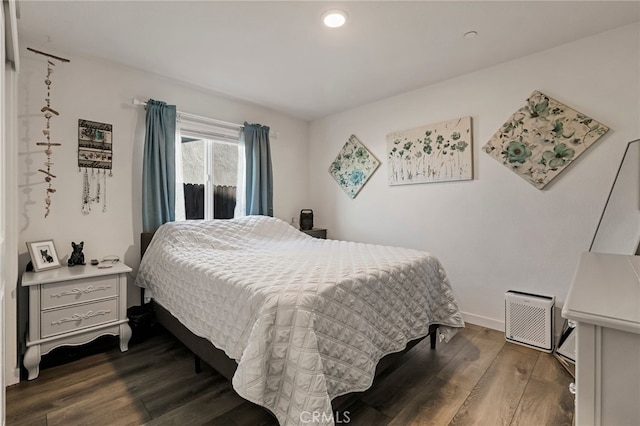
{"x":208,"y":173}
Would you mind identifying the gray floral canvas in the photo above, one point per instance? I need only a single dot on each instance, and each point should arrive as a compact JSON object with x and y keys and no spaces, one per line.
{"x":543,"y":138}
{"x":353,"y":166}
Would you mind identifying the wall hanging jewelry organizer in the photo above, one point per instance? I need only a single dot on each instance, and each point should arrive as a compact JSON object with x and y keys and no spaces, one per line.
{"x":94,"y":152}
{"x":49,"y":113}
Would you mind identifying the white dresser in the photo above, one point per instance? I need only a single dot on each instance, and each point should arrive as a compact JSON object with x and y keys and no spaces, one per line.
{"x":72,"y":306}
{"x":604,"y":300}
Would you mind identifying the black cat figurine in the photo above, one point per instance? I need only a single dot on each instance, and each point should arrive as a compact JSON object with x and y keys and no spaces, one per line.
{"x":77,"y":257}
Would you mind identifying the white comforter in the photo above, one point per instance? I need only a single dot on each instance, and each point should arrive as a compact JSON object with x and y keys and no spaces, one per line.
{"x":306,"y":319}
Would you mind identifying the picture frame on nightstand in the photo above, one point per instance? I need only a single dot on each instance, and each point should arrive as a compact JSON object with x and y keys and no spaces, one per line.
{"x":43,"y":255}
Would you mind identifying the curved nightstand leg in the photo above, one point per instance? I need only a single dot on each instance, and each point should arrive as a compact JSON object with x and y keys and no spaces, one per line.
{"x":31,"y":361}
{"x":125,"y":335}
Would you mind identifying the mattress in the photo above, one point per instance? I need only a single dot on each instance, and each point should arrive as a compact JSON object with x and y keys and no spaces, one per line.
{"x":306,"y":319}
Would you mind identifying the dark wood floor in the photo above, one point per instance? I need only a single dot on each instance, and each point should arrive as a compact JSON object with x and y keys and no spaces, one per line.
{"x":476,"y":378}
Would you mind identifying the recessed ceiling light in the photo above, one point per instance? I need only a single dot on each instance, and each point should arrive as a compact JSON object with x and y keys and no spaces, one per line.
{"x":334,"y":18}
{"x":470,"y":34}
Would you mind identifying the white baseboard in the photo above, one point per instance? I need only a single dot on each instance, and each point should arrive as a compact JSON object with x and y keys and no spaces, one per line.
{"x":499,"y":325}
{"x":483,"y":321}
{"x":12,"y":379}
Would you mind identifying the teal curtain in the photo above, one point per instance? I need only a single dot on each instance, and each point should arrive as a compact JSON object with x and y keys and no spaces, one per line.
{"x":259,"y":175}
{"x":158,"y":167}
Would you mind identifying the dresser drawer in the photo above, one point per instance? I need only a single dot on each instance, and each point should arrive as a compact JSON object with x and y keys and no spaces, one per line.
{"x":77,"y":317}
{"x":78,"y":291}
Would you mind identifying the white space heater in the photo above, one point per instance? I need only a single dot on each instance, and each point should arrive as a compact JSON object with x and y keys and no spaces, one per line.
{"x":529,"y":320}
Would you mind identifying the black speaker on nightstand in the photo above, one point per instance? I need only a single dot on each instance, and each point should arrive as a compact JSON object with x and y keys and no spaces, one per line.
{"x":306,"y":219}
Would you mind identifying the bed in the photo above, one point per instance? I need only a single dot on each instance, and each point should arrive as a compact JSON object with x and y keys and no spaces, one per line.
{"x":295,"y":322}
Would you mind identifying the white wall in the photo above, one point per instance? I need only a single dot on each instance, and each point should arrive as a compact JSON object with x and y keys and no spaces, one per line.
{"x":100,"y":91}
{"x":496,"y":232}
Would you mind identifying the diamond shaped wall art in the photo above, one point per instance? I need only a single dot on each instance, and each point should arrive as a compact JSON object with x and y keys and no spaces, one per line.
{"x":543,"y":138}
{"x":353,"y":166}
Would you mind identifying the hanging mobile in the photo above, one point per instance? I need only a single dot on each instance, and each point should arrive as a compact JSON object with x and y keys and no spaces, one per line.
{"x":49,"y":113}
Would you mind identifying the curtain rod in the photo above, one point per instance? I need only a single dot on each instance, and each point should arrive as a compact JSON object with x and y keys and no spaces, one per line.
{"x":272,"y":133}
{"x":199,"y":117}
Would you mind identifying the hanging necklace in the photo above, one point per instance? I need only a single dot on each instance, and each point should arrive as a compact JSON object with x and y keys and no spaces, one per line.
{"x":104,"y":197}
{"x":97,"y":200}
{"x":86,"y":197}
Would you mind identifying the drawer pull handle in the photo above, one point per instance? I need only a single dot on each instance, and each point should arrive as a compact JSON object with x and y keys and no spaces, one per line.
{"x":78,"y":291}
{"x":81,"y":317}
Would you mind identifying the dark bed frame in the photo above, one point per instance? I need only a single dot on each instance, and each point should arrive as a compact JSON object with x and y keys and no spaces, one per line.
{"x":216,"y":358}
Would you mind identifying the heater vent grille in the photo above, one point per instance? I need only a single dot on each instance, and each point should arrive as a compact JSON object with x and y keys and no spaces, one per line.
{"x":529,"y":320}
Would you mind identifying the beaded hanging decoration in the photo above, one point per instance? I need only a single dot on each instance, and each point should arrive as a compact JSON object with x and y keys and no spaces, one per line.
{"x":95,"y":153}
{"x":49,"y":113}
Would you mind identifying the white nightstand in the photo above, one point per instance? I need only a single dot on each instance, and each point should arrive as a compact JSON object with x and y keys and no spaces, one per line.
{"x":72,"y":306}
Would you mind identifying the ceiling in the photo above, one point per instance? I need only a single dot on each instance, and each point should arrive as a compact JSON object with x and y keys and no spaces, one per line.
{"x":279,"y":55}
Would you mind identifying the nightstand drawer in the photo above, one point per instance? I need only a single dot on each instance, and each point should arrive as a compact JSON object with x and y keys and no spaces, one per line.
{"x":77,"y":317}
{"x":78,"y":291}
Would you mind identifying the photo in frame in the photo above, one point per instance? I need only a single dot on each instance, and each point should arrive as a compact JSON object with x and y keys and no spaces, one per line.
{"x":43,"y":255}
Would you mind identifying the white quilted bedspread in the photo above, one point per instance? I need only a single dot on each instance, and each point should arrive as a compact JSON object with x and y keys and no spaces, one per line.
{"x":306,"y":319}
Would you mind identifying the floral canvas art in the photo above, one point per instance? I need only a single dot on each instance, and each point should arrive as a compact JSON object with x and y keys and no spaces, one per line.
{"x":435,"y":153}
{"x":543,"y":138}
{"x":353,"y":166}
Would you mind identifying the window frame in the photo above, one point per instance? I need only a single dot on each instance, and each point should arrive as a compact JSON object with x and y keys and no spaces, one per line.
{"x":210,"y":132}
